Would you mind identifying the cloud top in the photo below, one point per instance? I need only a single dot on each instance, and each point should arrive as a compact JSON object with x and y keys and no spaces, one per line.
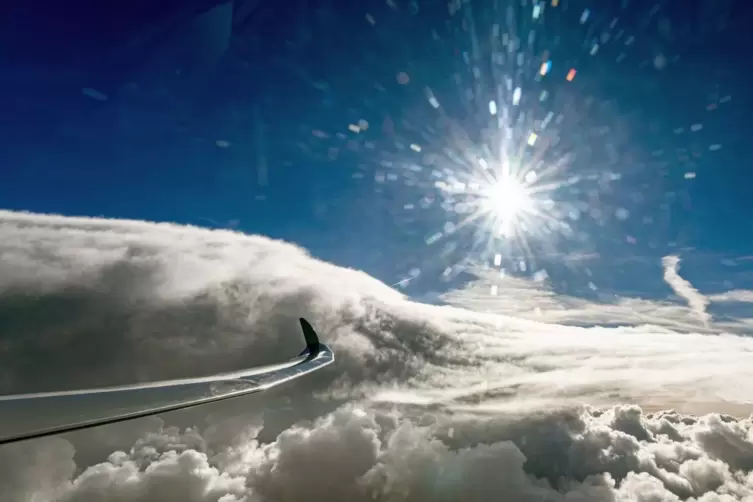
{"x":423,"y":402}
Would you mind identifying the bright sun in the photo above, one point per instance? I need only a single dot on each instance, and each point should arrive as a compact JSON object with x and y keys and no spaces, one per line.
{"x":506,"y":202}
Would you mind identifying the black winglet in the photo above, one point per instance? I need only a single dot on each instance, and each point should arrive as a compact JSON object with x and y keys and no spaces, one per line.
{"x":312,"y":340}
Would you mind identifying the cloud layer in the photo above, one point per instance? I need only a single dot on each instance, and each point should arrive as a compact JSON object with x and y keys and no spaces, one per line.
{"x":423,"y":403}
{"x":355,"y":454}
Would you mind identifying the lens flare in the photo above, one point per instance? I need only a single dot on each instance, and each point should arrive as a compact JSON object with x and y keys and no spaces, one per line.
{"x":492,"y":152}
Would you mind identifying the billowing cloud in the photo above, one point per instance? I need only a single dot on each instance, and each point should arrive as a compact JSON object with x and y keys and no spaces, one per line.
{"x":423,"y":402}
{"x":356,"y":454}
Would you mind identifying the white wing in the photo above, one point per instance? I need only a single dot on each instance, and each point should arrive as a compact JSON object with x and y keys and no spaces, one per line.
{"x":27,"y":416}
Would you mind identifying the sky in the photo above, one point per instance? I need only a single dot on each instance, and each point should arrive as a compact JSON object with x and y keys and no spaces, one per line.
{"x":519,"y":225}
{"x":662,"y":97}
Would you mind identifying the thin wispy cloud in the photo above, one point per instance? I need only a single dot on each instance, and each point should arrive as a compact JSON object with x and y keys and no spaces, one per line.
{"x":535,"y":300}
{"x":696,"y":301}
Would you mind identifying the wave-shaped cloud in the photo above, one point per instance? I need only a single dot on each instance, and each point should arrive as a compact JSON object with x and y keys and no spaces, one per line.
{"x":423,"y":403}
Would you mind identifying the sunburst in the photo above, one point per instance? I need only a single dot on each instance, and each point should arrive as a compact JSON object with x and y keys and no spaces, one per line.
{"x":505,"y":204}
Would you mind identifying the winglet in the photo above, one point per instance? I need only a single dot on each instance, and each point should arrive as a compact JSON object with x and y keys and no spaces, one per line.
{"x":312,"y":340}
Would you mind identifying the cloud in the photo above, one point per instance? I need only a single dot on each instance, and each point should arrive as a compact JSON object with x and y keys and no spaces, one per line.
{"x":533,"y":300}
{"x":356,"y":454}
{"x":721,"y":312}
{"x":35,"y":470}
{"x":146,"y":301}
{"x":423,"y":403}
{"x":735,"y":295}
{"x":684,"y":288}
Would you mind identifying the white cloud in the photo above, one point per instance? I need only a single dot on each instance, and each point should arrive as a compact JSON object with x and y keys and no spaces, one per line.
{"x":357,"y":455}
{"x":423,"y":403}
{"x":532,"y":300}
{"x":684,"y":288}
{"x":735,"y":295}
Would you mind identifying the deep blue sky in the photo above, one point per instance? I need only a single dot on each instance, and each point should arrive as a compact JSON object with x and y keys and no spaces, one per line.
{"x":293,"y":72}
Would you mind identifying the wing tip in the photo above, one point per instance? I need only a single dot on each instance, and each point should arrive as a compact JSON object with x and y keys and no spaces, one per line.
{"x":312,"y":339}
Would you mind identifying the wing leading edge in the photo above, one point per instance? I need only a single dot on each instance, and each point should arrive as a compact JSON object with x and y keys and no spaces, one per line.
{"x":29,"y":416}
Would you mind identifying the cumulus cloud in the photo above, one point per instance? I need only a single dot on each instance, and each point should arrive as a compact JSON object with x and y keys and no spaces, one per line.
{"x":423,"y":402}
{"x":356,"y":454}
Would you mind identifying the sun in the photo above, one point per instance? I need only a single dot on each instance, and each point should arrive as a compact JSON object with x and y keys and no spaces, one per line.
{"x":505,"y":203}
{"x":506,"y":199}
{"x":511,"y":207}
